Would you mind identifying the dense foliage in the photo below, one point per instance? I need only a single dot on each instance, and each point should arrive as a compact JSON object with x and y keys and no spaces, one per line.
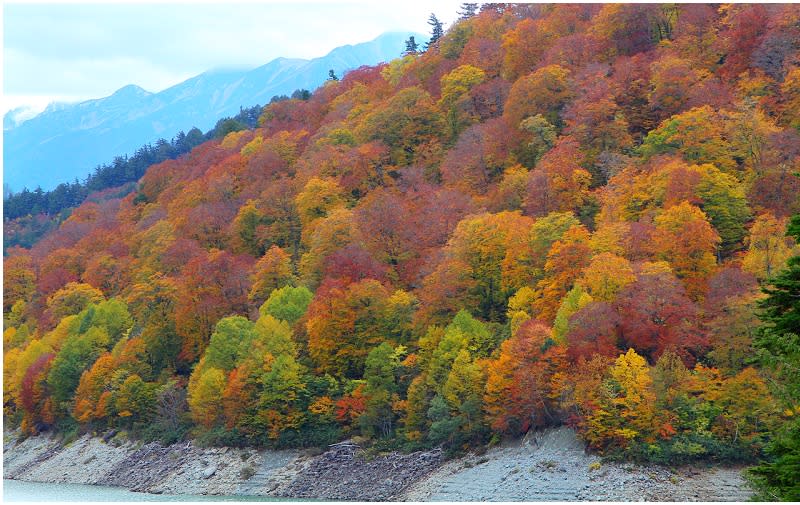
{"x":778,"y":344}
{"x":28,"y":215}
{"x":554,"y":214}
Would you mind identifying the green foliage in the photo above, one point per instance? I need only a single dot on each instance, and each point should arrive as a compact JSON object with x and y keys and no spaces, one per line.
{"x":458,"y":83}
{"x":342,"y":137}
{"x":283,"y":382}
{"x":379,"y":373}
{"x":246,"y":224}
{"x":274,"y":335}
{"x":576,"y":299}
{"x":454,"y":41}
{"x":455,"y":88}
{"x":777,"y":480}
{"x":111,"y":315}
{"x":226,"y":126}
{"x":77,"y":354}
{"x":725,"y":204}
{"x":231,"y":341}
{"x":781,"y":311}
{"x":464,"y":333}
{"x":778,"y":347}
{"x":136,"y":399}
{"x":544,"y":233}
{"x":403,"y":123}
{"x":543,"y":135}
{"x":287,"y":303}
{"x":396,"y":68}
{"x":481,"y":342}
{"x":443,"y":426}
{"x":100,"y":327}
{"x":700,"y":135}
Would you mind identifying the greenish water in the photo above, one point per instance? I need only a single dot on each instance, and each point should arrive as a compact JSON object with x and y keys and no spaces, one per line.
{"x":19,"y":491}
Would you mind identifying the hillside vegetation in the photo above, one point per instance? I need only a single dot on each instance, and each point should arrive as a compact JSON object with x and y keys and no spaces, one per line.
{"x":555,"y":214}
{"x":29,"y":215}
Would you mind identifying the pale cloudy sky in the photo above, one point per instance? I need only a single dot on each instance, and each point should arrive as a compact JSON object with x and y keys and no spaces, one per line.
{"x":74,"y":51}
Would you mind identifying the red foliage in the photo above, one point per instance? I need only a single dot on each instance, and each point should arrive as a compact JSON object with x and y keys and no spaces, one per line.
{"x":209,"y":287}
{"x":658,"y":315}
{"x":729,"y":282}
{"x":350,"y":407}
{"x":520,"y":382}
{"x":33,"y":394}
{"x":594,"y":329}
{"x":746,"y":26}
{"x":479,"y":157}
{"x":351,"y":264}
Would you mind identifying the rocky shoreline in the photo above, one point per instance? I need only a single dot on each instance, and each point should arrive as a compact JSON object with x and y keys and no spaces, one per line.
{"x":547,"y":466}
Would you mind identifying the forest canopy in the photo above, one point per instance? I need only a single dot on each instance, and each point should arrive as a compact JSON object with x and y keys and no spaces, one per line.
{"x":554,"y":214}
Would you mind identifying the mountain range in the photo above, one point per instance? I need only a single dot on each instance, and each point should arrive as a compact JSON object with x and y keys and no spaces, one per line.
{"x":66,"y":141}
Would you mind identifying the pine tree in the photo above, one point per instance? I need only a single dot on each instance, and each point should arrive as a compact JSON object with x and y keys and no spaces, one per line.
{"x":468,"y":10}
{"x":411,"y":46}
{"x":332,"y":75}
{"x":778,"y":346}
{"x":436,"y":30}
{"x":782,"y":306}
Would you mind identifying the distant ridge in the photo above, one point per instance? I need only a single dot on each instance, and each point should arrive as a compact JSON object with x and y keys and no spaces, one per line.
{"x":67,"y":141}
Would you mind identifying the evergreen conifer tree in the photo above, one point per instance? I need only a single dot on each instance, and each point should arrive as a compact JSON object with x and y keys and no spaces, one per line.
{"x":436,"y":30}
{"x":468,"y":10}
{"x":411,"y":46}
{"x":778,"y":346}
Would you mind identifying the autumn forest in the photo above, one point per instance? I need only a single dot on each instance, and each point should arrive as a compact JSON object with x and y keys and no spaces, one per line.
{"x":550,"y":214}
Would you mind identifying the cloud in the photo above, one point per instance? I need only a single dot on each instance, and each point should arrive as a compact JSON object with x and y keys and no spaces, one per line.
{"x":30,"y":74}
{"x":94,"y":49}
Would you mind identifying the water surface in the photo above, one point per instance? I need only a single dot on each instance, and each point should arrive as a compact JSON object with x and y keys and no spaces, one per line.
{"x":19,"y":491}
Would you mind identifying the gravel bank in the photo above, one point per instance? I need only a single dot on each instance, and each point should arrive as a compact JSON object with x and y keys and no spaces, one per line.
{"x":553,"y":466}
{"x":345,"y":473}
{"x":547,"y":466}
{"x":153,"y":468}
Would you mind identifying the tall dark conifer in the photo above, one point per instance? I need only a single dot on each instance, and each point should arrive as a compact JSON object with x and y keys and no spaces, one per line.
{"x":468,"y":10}
{"x":437,"y":30}
{"x":411,"y":46}
{"x":778,"y":347}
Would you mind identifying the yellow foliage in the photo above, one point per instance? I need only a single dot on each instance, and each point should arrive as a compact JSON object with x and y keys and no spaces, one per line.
{"x":635,"y":402}
{"x":205,"y":395}
{"x":396,"y":68}
{"x":520,"y":307}
{"x":458,"y":82}
{"x":318,"y":198}
{"x":768,"y":247}
{"x":252,"y":147}
{"x":26,"y":358}
{"x":655,"y":268}
{"x":609,"y":238}
{"x":323,"y":407}
{"x":232,"y":139}
{"x":606,"y":275}
{"x":10,"y":360}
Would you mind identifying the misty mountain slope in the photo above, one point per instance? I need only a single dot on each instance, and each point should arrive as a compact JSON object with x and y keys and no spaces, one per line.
{"x":67,"y":141}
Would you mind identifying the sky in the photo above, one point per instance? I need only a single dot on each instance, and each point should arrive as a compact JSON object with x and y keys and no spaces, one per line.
{"x":66,"y":51}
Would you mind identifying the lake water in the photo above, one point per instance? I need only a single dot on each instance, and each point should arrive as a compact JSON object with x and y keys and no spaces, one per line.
{"x":19,"y":491}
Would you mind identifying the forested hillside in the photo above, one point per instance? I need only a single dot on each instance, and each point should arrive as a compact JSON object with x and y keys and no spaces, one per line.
{"x":554,"y":214}
{"x":29,"y":215}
